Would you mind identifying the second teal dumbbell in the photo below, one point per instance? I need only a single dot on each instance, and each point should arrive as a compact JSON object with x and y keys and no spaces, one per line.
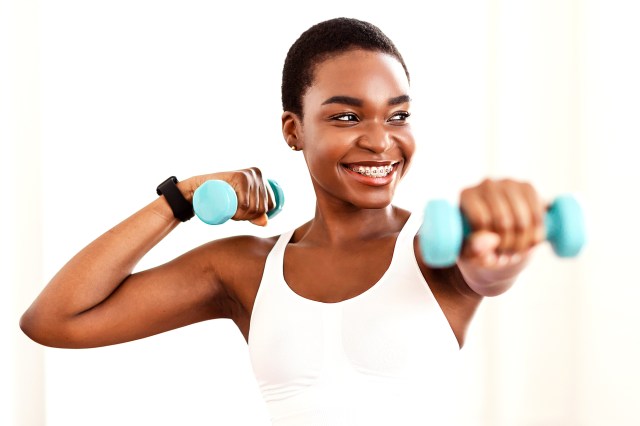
{"x":215,"y":201}
{"x":444,"y":229}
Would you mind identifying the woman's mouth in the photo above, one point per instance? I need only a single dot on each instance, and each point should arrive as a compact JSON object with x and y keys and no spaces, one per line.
{"x":372,"y":174}
{"x":379,"y":171}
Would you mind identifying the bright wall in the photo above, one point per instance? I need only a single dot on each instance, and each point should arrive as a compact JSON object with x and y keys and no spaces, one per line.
{"x":100,"y":101}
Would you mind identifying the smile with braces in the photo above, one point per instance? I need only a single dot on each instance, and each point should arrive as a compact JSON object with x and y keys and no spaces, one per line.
{"x":379,"y":172}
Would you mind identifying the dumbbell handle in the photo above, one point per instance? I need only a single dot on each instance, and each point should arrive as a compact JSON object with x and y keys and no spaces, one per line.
{"x":445,"y":227}
{"x":215,"y":201}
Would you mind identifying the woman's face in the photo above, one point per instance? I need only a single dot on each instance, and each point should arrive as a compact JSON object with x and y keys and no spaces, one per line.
{"x":355,"y":134}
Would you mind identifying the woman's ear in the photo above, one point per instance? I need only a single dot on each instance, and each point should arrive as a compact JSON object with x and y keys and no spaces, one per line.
{"x":292,"y":130}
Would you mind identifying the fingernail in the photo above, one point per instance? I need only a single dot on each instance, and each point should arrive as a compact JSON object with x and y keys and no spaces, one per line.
{"x":490,"y":259}
{"x":483,"y":243}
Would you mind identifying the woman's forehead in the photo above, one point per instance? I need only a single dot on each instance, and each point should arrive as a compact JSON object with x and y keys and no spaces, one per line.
{"x":360,"y":74}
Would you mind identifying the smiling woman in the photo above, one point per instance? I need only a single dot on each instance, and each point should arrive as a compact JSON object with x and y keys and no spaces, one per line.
{"x":373,"y":325}
{"x":355,"y":115}
{"x":345,"y":322}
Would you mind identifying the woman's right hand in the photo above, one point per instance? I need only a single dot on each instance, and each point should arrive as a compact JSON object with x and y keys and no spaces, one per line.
{"x":255,"y":197}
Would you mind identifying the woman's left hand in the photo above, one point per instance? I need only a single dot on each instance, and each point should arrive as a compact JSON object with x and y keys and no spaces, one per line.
{"x":507,"y":222}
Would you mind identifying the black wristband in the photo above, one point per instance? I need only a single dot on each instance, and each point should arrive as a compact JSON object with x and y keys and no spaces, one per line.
{"x":181,"y":208}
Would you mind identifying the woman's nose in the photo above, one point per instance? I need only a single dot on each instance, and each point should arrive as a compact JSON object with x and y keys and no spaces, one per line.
{"x":376,"y":138}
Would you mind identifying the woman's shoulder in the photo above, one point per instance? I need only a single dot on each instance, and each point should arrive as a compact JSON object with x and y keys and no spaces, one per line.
{"x":241,"y":248}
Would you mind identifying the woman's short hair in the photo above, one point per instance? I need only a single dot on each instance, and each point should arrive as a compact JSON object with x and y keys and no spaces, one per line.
{"x":322,"y":41}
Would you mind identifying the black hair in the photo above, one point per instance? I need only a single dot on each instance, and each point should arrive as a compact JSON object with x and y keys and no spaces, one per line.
{"x":322,"y":41}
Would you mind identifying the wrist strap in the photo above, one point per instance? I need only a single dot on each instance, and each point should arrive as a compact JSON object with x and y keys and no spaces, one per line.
{"x":181,"y":208}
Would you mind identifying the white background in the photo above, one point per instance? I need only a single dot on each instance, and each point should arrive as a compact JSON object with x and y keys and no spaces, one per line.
{"x":100,"y":101}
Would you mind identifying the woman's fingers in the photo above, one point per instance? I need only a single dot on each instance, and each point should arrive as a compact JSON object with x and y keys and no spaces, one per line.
{"x":254,"y":194}
{"x":481,"y":247}
{"x":523,"y":231}
{"x":260,"y":220}
{"x":253,"y":198}
{"x":509,"y":209}
{"x":538,"y":211}
{"x":502,"y":214}
{"x":475,"y":209}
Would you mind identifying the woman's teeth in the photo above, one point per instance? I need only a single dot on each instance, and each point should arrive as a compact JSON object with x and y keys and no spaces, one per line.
{"x":379,"y":172}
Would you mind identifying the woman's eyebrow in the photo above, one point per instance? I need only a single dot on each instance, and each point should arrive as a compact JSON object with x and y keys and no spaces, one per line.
{"x":351,"y":101}
{"x":399,"y":100}
{"x":346,"y":100}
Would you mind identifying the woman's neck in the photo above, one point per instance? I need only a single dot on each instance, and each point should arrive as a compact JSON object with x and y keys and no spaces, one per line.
{"x":347,"y":226}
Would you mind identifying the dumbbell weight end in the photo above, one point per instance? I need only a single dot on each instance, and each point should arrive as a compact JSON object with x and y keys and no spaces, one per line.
{"x":565,"y":227}
{"x":215,"y":201}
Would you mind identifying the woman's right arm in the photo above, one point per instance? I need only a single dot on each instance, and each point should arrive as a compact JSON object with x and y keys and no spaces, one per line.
{"x":95,"y":300}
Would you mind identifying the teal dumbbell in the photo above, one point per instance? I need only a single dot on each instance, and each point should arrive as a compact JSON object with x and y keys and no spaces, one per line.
{"x":444,"y":229}
{"x":215,"y":201}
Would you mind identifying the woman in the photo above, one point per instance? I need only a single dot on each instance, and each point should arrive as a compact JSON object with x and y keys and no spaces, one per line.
{"x":345,"y":322}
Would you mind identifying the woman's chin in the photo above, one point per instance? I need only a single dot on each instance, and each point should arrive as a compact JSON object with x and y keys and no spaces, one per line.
{"x":373,"y":202}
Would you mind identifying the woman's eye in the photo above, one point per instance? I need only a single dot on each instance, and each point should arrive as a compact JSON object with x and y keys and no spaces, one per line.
{"x":346,"y":117}
{"x":400,"y":116}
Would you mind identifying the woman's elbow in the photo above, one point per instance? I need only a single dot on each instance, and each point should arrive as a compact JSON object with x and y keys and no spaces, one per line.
{"x":43,"y":331}
{"x":29,"y":326}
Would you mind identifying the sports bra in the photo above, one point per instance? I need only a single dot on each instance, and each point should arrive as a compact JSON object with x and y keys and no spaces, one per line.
{"x":382,"y":357}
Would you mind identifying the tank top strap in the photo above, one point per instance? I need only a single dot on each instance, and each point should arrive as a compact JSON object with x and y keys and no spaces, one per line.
{"x":409,"y":231}
{"x":404,"y":254}
{"x":273,"y":273}
{"x":282,"y":242}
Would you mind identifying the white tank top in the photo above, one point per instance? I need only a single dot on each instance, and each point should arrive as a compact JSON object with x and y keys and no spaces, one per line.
{"x":384,"y":357}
